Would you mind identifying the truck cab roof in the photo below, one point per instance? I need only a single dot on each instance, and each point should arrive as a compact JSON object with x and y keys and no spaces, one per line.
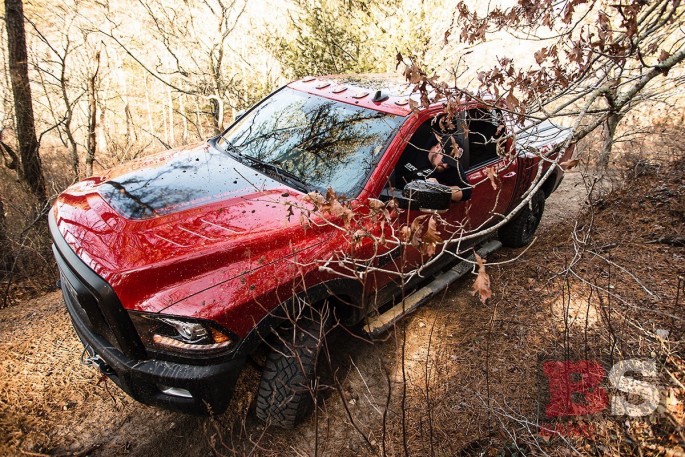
{"x":386,"y":92}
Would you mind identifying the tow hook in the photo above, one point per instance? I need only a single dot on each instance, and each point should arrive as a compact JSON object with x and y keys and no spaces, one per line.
{"x":90,"y":359}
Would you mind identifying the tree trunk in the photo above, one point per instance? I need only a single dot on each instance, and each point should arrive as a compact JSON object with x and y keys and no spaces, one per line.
{"x":68,"y":117}
{"x":148,"y":108}
{"x":21,"y":90}
{"x":605,"y":155}
{"x":184,"y":118}
{"x":91,"y":145}
{"x":171,"y":140}
{"x":6,"y":258}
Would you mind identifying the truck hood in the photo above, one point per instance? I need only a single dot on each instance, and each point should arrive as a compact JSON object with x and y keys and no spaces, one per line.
{"x":163,"y":228}
{"x":178,"y":180}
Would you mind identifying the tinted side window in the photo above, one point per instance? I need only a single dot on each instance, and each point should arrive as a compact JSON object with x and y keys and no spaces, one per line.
{"x":483,"y":125}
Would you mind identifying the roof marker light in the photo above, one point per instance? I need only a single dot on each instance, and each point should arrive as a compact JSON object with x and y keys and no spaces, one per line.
{"x":323,"y":85}
{"x":307,"y":79}
{"x":360,"y":94}
{"x":339,"y":89}
{"x":380,"y":96}
{"x":402,"y":102}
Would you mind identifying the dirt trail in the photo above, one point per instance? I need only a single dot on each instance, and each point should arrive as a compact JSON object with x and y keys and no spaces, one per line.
{"x":51,"y":404}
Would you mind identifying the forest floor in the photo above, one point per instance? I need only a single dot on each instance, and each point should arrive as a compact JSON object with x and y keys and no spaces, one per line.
{"x":602,"y":283}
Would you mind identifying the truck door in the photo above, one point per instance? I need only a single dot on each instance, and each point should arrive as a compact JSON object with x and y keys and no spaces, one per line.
{"x":491,"y":168}
{"x":409,"y":258}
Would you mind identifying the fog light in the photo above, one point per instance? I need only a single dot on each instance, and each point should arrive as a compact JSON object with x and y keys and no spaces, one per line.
{"x":175,"y":391}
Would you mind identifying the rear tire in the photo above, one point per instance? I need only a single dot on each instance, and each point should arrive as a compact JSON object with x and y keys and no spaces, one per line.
{"x":520,"y":230}
{"x":287,"y":388}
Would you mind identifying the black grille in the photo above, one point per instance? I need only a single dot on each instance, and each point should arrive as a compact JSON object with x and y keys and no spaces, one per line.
{"x":86,"y":306}
{"x":92,"y":301}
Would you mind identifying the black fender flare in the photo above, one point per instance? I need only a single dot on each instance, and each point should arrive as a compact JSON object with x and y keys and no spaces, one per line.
{"x":347,"y":300}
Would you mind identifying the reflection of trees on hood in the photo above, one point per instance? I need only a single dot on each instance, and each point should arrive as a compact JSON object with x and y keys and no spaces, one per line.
{"x":141,"y":195}
{"x":189,"y":180}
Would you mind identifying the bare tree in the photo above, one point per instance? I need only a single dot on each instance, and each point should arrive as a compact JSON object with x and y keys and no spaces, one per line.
{"x":188,"y":62}
{"x":595,"y":62}
{"x":56,"y":73}
{"x":31,"y":169}
{"x":91,"y":145}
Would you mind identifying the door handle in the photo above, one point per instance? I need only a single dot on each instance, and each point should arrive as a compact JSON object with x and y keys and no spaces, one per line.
{"x":511,"y":174}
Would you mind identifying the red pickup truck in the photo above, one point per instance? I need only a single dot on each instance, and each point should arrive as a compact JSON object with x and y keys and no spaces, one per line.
{"x":177,"y":267}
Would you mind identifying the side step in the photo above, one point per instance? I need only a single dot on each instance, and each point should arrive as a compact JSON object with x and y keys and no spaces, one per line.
{"x":379,"y":324}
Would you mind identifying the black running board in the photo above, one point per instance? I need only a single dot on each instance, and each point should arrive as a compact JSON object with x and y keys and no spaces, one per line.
{"x":377,"y":325}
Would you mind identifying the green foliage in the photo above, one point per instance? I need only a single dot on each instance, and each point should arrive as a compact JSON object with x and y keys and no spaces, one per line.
{"x":345,"y":36}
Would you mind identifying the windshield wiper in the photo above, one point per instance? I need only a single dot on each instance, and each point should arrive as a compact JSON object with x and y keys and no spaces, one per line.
{"x":227,"y":145}
{"x":282,"y":173}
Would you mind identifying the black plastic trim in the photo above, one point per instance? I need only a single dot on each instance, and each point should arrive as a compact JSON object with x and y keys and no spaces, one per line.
{"x":211,"y":386}
{"x":108,"y":303}
{"x":339,"y":287}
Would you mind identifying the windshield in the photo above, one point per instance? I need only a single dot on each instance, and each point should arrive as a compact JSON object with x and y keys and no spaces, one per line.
{"x":320,"y":142}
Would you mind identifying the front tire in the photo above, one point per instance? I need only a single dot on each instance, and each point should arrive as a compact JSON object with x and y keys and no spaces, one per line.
{"x":287,"y":388}
{"x":520,"y":230}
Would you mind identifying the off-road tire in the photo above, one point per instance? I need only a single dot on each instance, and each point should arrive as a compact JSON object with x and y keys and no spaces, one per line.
{"x":520,"y":230}
{"x":285,"y":395}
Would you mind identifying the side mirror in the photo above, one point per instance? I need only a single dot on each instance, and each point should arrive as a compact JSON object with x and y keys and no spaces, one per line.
{"x":426,"y":196}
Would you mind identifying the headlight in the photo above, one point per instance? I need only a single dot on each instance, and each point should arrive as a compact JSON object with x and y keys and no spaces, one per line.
{"x":190,"y":332}
{"x":181,"y":334}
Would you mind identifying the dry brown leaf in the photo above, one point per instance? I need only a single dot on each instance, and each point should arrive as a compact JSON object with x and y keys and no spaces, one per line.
{"x":405,"y":233}
{"x":382,"y":239}
{"x":399,"y":59}
{"x":333,"y":207}
{"x":304,"y":221}
{"x":663,"y":56}
{"x":378,"y":209}
{"x":540,"y":55}
{"x":376,"y":204}
{"x":346,"y":215}
{"x":416,"y":229}
{"x":357,"y":238}
{"x":412,"y":73}
{"x":481,"y":285}
{"x":431,"y":237}
{"x":316,"y":198}
{"x":512,"y":101}
{"x":569,"y":164}
{"x":456,"y":150}
{"x":492,"y":176}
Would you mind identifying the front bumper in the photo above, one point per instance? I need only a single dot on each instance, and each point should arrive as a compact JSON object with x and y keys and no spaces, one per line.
{"x":107,"y":332}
